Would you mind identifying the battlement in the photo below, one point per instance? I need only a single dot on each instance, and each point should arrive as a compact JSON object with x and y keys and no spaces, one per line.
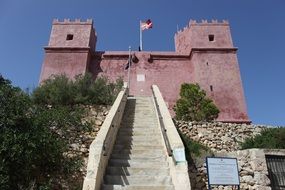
{"x":203,"y":22}
{"x":76,"y":21}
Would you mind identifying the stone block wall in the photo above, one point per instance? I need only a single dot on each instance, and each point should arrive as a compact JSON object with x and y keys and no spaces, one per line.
{"x":224,"y":141}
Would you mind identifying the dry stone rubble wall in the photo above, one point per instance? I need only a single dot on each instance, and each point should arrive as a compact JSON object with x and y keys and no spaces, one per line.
{"x":224,"y":139}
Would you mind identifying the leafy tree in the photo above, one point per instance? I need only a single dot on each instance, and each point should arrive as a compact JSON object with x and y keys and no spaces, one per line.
{"x":271,"y":138}
{"x":193,"y":104}
{"x":30,"y":152}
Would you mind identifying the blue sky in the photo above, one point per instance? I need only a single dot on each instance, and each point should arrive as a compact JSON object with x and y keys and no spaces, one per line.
{"x":257,"y":26}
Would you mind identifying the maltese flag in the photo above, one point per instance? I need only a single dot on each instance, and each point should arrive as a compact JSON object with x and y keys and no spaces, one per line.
{"x":146,"y":25}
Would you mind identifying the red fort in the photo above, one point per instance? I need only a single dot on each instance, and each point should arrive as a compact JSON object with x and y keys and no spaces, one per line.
{"x":204,"y":54}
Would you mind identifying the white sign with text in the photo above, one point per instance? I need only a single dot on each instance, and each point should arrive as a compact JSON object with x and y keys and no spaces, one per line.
{"x":222,"y":171}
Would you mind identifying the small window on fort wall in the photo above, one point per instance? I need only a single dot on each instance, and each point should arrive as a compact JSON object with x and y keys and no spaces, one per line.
{"x":69,"y":37}
{"x":211,"y":88}
{"x":211,"y":37}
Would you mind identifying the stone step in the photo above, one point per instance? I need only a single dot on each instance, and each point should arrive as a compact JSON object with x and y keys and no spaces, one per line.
{"x":139,"y":115}
{"x":144,"y":106}
{"x":136,"y":171}
{"x":139,"y":121}
{"x":154,"y":131}
{"x":118,"y":147}
{"x":139,"y":137}
{"x":142,"y":151}
{"x":139,"y":105}
{"x":138,"y":133}
{"x":144,"y":157}
{"x":140,"y":112}
{"x":139,"y":143}
{"x":141,"y":102}
{"x":135,"y":138}
{"x":132,"y":112}
{"x":137,"y":180}
{"x":138,"y":163}
{"x":139,"y":125}
{"x":137,"y":187}
{"x":150,"y":130}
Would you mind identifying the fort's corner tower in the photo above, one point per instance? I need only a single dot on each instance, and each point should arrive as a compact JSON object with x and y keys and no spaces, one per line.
{"x":69,"y":49}
{"x":216,"y":69}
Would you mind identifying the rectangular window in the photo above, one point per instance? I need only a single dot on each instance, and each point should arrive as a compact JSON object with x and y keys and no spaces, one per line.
{"x":69,"y":37}
{"x":211,"y":88}
{"x":211,"y":37}
{"x":276,"y":169}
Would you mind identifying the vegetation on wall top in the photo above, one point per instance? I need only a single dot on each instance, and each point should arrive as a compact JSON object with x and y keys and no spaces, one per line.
{"x":271,"y":138}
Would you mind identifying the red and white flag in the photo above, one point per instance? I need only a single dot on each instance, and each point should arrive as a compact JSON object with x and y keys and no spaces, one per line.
{"x":146,"y":25}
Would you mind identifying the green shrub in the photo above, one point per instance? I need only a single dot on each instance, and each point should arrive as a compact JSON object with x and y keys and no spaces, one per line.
{"x":193,"y":104}
{"x":103,"y":92}
{"x":60,"y":117}
{"x":59,"y":90}
{"x":33,"y":129}
{"x":192,"y":148}
{"x":271,"y":138}
{"x":82,"y":85}
{"x":30,"y":152}
{"x":14,"y":104}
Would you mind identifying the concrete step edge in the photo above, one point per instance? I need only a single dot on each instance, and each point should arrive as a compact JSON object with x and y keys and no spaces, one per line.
{"x":137,"y":187}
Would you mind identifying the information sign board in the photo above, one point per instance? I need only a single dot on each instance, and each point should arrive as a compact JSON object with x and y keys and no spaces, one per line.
{"x":222,"y":171}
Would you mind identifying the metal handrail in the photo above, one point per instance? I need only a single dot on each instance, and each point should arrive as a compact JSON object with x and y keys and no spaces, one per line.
{"x":162,"y":127}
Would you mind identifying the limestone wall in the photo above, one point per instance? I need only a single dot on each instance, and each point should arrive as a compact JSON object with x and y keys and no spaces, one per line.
{"x":223,"y":139}
{"x":79,"y":140}
{"x":220,"y":137}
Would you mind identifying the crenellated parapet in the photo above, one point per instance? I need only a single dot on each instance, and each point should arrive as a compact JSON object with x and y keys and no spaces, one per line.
{"x":204,"y":22}
{"x":213,"y":21}
{"x":69,"y":21}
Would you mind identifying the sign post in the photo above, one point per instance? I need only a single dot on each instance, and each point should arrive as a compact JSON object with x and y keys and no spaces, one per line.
{"x":222,"y":171}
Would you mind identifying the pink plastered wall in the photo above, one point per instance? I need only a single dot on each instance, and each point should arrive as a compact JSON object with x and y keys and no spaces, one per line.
{"x":218,"y":74}
{"x":68,"y":63}
{"x":168,"y":73}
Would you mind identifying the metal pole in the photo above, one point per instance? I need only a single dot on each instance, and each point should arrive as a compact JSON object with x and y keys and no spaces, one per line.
{"x":129,"y":66}
{"x":140,"y":35}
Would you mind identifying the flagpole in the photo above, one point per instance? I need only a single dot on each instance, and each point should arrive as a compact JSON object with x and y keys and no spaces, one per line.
{"x":141,"y":45}
{"x":129,"y":65}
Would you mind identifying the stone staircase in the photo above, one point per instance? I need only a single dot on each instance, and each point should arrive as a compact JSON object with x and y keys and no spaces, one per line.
{"x":139,"y":159}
